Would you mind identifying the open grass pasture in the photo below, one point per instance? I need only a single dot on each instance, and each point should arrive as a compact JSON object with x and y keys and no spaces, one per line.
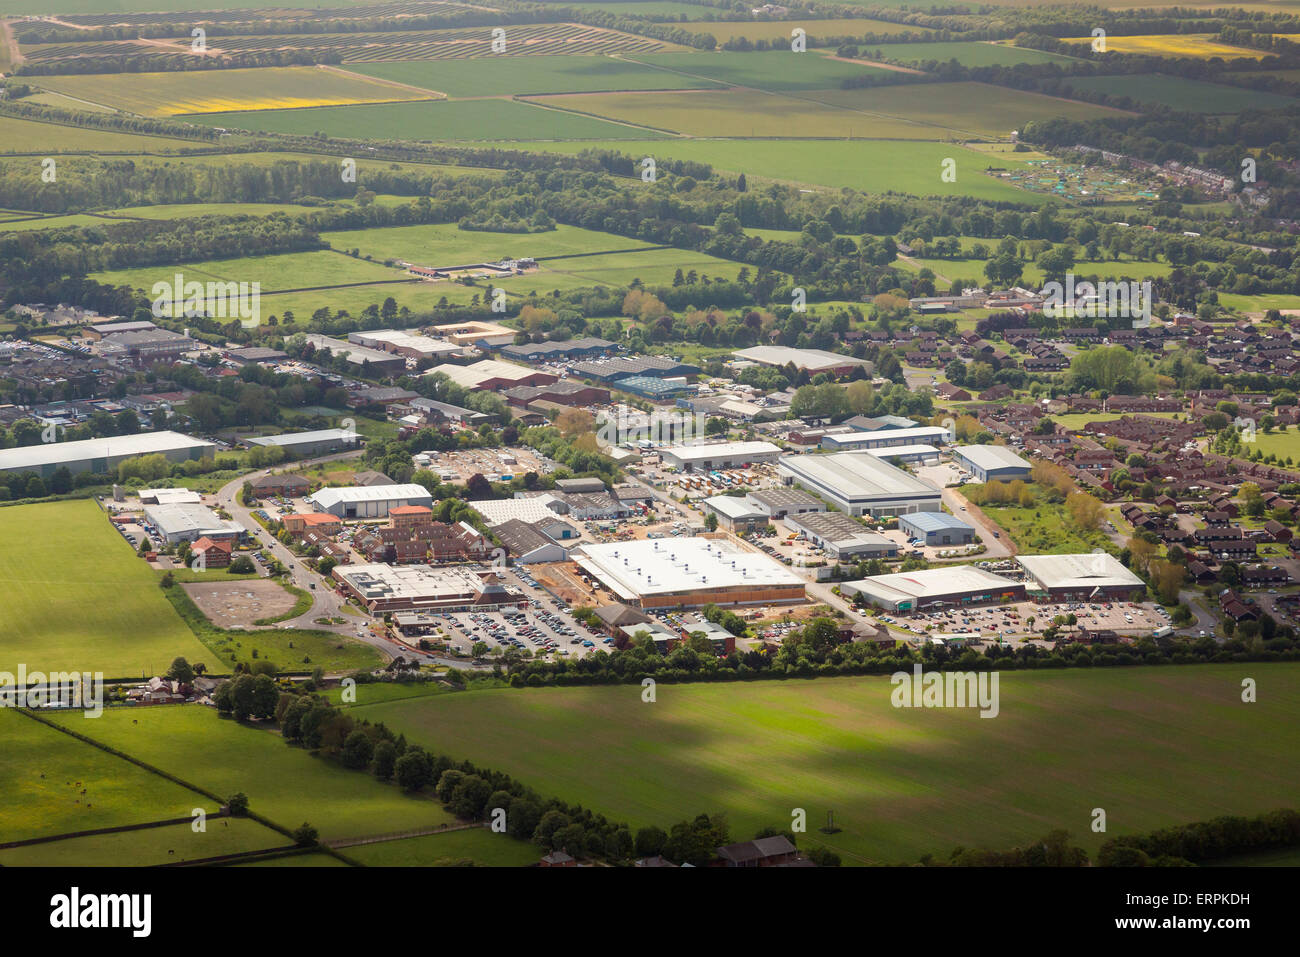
{"x":275,"y":272}
{"x":874,"y":166}
{"x":765,"y":70}
{"x":443,"y":244}
{"x":43,"y":772}
{"x":286,"y":785}
{"x":1154,"y":746}
{"x":967,"y":53}
{"x":173,"y":844}
{"x":479,"y":845}
{"x":429,"y":120}
{"x":525,"y":75}
{"x":26,"y":137}
{"x":78,"y":598}
{"x":1180,"y":93}
{"x":222,"y":91}
{"x":781,"y":29}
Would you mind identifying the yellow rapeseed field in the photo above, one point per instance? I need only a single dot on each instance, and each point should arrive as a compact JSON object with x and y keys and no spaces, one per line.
{"x":1198,"y":45}
{"x":222,"y":91}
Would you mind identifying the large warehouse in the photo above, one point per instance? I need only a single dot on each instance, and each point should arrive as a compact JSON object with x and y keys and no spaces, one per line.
{"x":384,"y":588}
{"x":908,"y":592}
{"x":102,"y":455}
{"x":811,"y":361}
{"x":843,"y":538}
{"x":1091,"y":577}
{"x":306,"y":444}
{"x":493,"y":375}
{"x":720,"y":455}
{"x":886,"y":438}
{"x":689,"y":573}
{"x":188,"y":522}
{"x":991,"y":463}
{"x":371,"y":501}
{"x":859,"y":483}
{"x":937,"y":528}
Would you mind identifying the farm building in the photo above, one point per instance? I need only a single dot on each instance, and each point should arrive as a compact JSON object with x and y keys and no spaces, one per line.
{"x":937,"y":528}
{"x":859,"y":483}
{"x":369,"y":501}
{"x":99,"y":456}
{"x":1081,"y":577}
{"x":688,"y":572}
{"x":306,"y":444}
{"x":991,"y":463}
{"x":907,"y":592}
{"x":384,"y":588}
{"x":720,"y":455}
{"x":842,"y":538}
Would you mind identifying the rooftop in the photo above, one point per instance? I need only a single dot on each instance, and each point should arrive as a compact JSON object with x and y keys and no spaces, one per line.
{"x":933,"y":582}
{"x":814,"y":360}
{"x":367,"y":493}
{"x":117,"y":447}
{"x":1097,"y":569}
{"x":991,"y":456}
{"x":653,"y":566}
{"x":856,"y":475}
{"x":692,"y":453}
{"x":343,"y":436}
{"x":933,"y":521}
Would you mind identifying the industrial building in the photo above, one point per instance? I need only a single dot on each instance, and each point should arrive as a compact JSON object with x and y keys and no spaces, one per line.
{"x":859,"y":483}
{"x":482,"y":334}
{"x":403,"y":343}
{"x":187,"y":522}
{"x":548,"y":351}
{"x":886,"y":439}
{"x":492,"y":375}
{"x":385,"y":588}
{"x":936,"y":528}
{"x":369,"y":502}
{"x":909,"y":454}
{"x":371,"y":360}
{"x":688,"y":573}
{"x":719,"y":455}
{"x":991,"y":463}
{"x":654,"y":367}
{"x":780,"y":502}
{"x":299,"y":445}
{"x":100,"y":456}
{"x":736,"y":514}
{"x":841,"y":537}
{"x":811,"y":361}
{"x":1091,"y":577}
{"x":528,"y":544}
{"x":955,"y":586}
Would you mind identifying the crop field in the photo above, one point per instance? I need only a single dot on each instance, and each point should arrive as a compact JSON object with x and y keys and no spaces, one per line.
{"x":652,"y":267}
{"x":151,"y":847}
{"x":219,"y":91}
{"x":276,"y":272}
{"x":44,"y":772}
{"x":977,"y":108}
{"x":540,"y":39}
{"x":286,"y":785}
{"x":901,"y":782}
{"x":642,"y":8}
{"x":969,"y":53}
{"x":478,"y":844}
{"x":1180,"y":93}
{"x":135,"y":12}
{"x":875,"y":166}
{"x":768,"y":70}
{"x":443,"y":244}
{"x":444,"y":120}
{"x":52,"y":222}
{"x":28,"y":137}
{"x":77,"y":597}
{"x":552,"y":74}
{"x":1197,"y":45}
{"x":781,"y":29}
{"x":195,"y":210}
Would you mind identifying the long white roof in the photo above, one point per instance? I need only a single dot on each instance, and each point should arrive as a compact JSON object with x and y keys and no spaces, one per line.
{"x":117,"y":447}
{"x":368,"y":493}
{"x":691,"y":453}
{"x":933,"y":582}
{"x":857,"y":475}
{"x":658,"y":566}
{"x":1093,"y":570}
{"x":991,"y":456}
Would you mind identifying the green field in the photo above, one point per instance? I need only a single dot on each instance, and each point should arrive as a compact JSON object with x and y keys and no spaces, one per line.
{"x":766,"y":70}
{"x":286,"y":785}
{"x":1180,"y":93}
{"x":1043,"y":529}
{"x":435,"y":120}
{"x":224,"y":91}
{"x":43,"y":771}
{"x":275,"y":272}
{"x":524,"y":75}
{"x":445,"y":244}
{"x":195,"y":210}
{"x":1077,"y":420}
{"x":27,"y":137}
{"x":150,"y":847}
{"x":1282,"y":444}
{"x":479,"y":844}
{"x":902,"y":783}
{"x":969,"y":53}
{"x":78,"y":598}
{"x":874,"y":166}
{"x":772,"y":30}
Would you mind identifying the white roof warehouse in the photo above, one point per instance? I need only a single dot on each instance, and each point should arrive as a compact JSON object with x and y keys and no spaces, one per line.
{"x":101,"y":455}
{"x":859,"y":483}
{"x":370,"y":501}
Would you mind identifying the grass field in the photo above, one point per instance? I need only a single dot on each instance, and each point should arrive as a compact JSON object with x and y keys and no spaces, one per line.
{"x":874,"y":166}
{"x":479,"y":844}
{"x":521,"y":76}
{"x":43,"y":772}
{"x":968,"y":53}
{"x":148,"y":848}
{"x":1180,"y":93}
{"x":1261,"y":303}
{"x":901,"y":782}
{"x":1043,"y":530}
{"x":222,"y":91}
{"x":276,"y":272}
{"x":1196,"y":45}
{"x":286,"y":785}
{"x":446,"y":245}
{"x":1077,"y":420}
{"x":195,"y":210}
{"x":77,"y":597}
{"x":441,"y":120}
{"x":1281,"y":444}
{"x":26,"y":137}
{"x":767,"y":70}
{"x":781,"y":29}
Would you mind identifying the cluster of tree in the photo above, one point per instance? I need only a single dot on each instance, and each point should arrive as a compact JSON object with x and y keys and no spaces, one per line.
{"x":1204,"y":841}
{"x":1054,"y":850}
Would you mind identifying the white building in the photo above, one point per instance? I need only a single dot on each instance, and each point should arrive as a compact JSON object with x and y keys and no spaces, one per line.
{"x":371,"y":501}
{"x":100,"y":456}
{"x":719,"y":455}
{"x":859,"y":483}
